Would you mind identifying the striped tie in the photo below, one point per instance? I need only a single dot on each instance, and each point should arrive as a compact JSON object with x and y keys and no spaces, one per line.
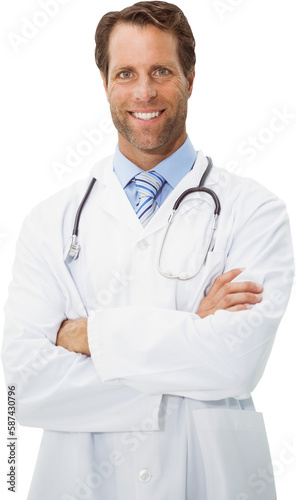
{"x":148,"y":184}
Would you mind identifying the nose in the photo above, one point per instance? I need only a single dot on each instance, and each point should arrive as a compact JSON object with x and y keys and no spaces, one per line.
{"x":145,"y":89}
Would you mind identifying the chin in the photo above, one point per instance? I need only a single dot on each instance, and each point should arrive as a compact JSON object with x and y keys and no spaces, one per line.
{"x":148,"y":143}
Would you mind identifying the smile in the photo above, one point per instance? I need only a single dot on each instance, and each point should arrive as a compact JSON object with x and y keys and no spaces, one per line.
{"x":147,"y":116}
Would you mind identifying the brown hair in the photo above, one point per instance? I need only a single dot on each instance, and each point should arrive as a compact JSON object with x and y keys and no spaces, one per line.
{"x":163,"y":15}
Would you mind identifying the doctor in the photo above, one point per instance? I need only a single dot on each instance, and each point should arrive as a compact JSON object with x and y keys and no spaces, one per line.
{"x":141,"y":382}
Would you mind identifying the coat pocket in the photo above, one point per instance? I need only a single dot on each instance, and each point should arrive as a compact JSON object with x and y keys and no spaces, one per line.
{"x":235,"y":453}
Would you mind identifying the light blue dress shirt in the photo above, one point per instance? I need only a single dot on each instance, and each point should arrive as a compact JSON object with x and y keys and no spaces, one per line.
{"x":173,"y":169}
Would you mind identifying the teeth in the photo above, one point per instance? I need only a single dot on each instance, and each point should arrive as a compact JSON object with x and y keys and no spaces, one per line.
{"x":146,"y":116}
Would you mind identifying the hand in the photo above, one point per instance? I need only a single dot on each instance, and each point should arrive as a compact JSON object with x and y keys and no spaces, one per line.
{"x":229,"y":296}
{"x":72,"y":335}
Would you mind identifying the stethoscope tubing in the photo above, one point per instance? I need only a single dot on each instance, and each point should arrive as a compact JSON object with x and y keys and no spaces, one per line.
{"x":80,"y":208}
{"x":75,"y":247}
{"x":200,"y":188}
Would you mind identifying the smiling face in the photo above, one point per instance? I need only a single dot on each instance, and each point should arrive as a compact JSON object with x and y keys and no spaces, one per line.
{"x":147,"y":91}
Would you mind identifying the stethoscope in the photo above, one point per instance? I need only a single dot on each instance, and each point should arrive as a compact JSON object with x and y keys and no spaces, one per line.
{"x":75,"y":247}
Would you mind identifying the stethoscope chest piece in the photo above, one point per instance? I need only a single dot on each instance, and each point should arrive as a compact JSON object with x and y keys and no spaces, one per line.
{"x":72,"y":250}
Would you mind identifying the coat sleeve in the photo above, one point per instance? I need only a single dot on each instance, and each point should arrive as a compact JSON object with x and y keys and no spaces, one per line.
{"x":222,"y":355}
{"x":57,"y":389}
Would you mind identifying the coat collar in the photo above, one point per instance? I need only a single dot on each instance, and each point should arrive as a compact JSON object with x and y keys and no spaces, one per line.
{"x":115,"y":202}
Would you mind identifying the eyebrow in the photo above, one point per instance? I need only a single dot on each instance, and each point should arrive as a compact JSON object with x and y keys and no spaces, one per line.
{"x":153,"y":67}
{"x":123,"y":68}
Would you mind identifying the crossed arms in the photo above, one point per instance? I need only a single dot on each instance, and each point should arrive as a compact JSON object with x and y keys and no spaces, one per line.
{"x":223,"y":295}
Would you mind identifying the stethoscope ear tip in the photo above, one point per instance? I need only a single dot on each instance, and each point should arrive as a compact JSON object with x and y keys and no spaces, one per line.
{"x":167,"y":273}
{"x":184,"y":276}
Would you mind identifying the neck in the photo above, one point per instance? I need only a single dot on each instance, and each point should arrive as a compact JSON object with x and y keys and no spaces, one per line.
{"x":148,"y":159}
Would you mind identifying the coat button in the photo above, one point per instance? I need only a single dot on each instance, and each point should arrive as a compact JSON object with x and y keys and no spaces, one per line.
{"x":144,"y":476}
{"x":143,"y":244}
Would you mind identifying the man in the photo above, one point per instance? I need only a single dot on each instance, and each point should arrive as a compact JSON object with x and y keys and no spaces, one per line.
{"x":143,"y":382}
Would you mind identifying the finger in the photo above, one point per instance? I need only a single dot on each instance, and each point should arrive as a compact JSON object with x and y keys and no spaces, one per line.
{"x":240,"y":307}
{"x":239,"y":299}
{"x":242,"y":286}
{"x":234,"y":288}
{"x":221,"y":280}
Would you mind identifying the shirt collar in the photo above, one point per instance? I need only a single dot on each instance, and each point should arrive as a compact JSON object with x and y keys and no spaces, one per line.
{"x":173,"y":168}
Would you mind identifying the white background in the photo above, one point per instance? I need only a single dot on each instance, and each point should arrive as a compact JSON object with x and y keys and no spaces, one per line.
{"x":52,"y":95}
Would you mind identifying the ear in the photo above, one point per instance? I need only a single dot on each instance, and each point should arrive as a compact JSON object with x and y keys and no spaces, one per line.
{"x":104,"y":83}
{"x":190,"y":80}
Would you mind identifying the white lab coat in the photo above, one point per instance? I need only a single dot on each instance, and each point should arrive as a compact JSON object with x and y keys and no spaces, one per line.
{"x":162,"y":409}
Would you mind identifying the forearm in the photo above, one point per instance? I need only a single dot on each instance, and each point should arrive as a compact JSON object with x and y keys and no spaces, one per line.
{"x":61,"y":390}
{"x":177,"y":352}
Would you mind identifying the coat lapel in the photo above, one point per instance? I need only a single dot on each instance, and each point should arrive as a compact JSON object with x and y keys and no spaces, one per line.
{"x":113,"y":199}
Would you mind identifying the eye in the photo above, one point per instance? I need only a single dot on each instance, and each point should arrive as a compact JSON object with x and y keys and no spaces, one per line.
{"x":162,"y":72}
{"x":125,"y":75}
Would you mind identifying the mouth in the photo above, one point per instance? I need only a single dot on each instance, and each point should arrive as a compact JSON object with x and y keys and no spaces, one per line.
{"x":146,"y":116}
